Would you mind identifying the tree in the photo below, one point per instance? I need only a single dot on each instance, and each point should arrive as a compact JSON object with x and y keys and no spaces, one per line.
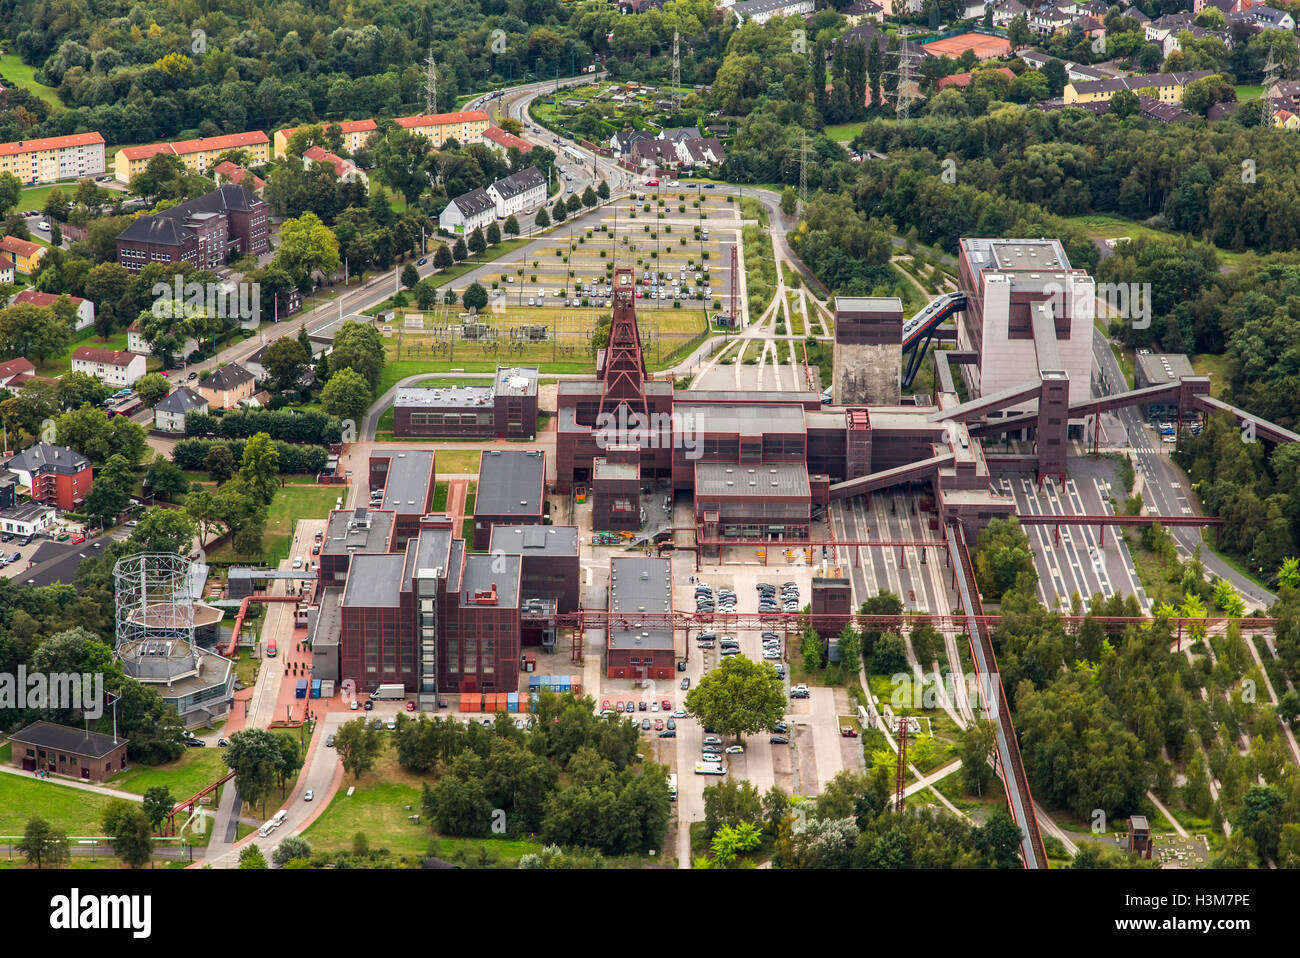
{"x":254,"y":756}
{"x":602,"y":190}
{"x":789,"y":201}
{"x":260,"y":468}
{"x":285,"y":360}
{"x":1003,"y":559}
{"x":1123,"y":104}
{"x":542,"y":220}
{"x":158,"y":802}
{"x":358,"y":746}
{"x":889,"y":657}
{"x":347,"y":395}
{"x":219,"y":463}
{"x":293,"y":848}
{"x":511,"y":225}
{"x":251,"y":857}
{"x":359,"y":346}
{"x":410,"y":276}
{"x":739,"y":697}
{"x":152,"y":388}
{"x":977,"y":748}
{"x":42,"y":844}
{"x":999,"y":839}
{"x":559,"y":212}
{"x":129,"y":831}
{"x":731,"y":841}
{"x":589,"y":197}
{"x":11,"y":189}
{"x":458,"y":251}
{"x":442,"y":256}
{"x":165,"y":530}
{"x":32,"y":331}
{"x":493,"y":234}
{"x":307,"y":246}
{"x":476,"y":243}
{"x":78,"y":389}
{"x":730,"y":803}
{"x":475,"y":296}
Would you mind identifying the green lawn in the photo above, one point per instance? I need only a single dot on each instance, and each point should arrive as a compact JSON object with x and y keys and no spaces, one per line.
{"x":1103,"y":226}
{"x":844,"y":132}
{"x":1248,"y":92}
{"x":377,"y":808}
{"x":75,"y":811}
{"x":291,"y":503}
{"x":188,"y":775}
{"x":1216,"y":367}
{"x":20,"y":75}
{"x":454,"y":461}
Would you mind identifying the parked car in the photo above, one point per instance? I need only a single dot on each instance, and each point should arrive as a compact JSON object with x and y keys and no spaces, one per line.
{"x":848,"y":731}
{"x":686,"y":682}
{"x":640,"y":706}
{"x":779,"y":740}
{"x":668,"y":734}
{"x":659,"y":725}
{"x":410,"y":706}
{"x":671,"y":725}
{"x":645,"y":725}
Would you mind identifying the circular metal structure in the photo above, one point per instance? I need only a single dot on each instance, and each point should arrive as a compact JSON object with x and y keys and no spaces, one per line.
{"x":154,"y":599}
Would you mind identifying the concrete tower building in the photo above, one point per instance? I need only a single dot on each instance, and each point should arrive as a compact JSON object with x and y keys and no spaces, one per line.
{"x":868,"y":351}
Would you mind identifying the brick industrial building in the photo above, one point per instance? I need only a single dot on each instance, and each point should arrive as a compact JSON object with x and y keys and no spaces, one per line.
{"x":511,"y":491}
{"x":505,"y":410}
{"x":202,"y":233}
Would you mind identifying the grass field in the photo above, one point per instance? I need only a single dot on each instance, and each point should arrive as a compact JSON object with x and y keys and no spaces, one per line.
{"x":1102,"y":226}
{"x":1216,"y":367}
{"x":454,"y":461}
{"x":291,"y":503}
{"x":189,"y":774}
{"x":20,"y":75}
{"x":75,"y":811}
{"x":377,"y":808}
{"x":844,"y":132}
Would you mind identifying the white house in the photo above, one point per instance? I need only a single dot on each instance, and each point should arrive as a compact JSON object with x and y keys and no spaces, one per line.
{"x":136,"y":343}
{"x":27,"y":518}
{"x":701,"y":151}
{"x":85,"y":308}
{"x":109,"y":366}
{"x":761,"y":11}
{"x":467,"y":212}
{"x":346,"y":170}
{"x":169,"y":415}
{"x":7,"y":274}
{"x":517,"y":192}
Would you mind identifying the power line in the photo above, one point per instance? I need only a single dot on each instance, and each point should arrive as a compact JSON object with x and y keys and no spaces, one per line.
{"x":677,"y":73}
{"x":430,"y":84}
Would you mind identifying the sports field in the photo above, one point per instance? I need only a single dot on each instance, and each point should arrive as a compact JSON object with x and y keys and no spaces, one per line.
{"x":984,"y":46}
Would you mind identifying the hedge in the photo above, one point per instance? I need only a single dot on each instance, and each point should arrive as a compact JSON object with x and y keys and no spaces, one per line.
{"x":191,"y":454}
{"x":283,"y":424}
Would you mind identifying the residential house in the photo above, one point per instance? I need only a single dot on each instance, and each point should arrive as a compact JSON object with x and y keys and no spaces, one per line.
{"x":26,"y":519}
{"x":7,"y":273}
{"x":1286,"y":120}
{"x":1046,"y":20}
{"x":1168,"y":86}
{"x":199,"y":156}
{"x":525,"y":190}
{"x":1004,"y":11}
{"x":201,"y":233}
{"x":112,"y":367}
{"x":654,"y":154}
{"x":464,"y":127}
{"x":623,"y":141}
{"x":54,"y":158}
{"x":861,"y":11}
{"x":22,"y":255}
{"x":346,"y":170}
{"x":169,"y":415}
{"x":16,"y":372}
{"x":355,"y":134}
{"x":136,"y":343}
{"x":85,"y":308}
{"x":761,"y":11}
{"x":498,"y":139}
{"x":55,"y":475}
{"x":701,"y":151}
{"x":227,"y":172}
{"x":467,"y":212}
{"x":1263,"y":17}
{"x":227,"y":387}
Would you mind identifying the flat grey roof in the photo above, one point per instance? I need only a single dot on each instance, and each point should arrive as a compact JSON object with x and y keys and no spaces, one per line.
{"x":516,"y":381}
{"x":410,"y":476}
{"x":536,"y":540}
{"x":65,"y":738}
{"x":483,"y":571}
{"x":640,"y":584}
{"x":510,"y":483}
{"x":1016,"y":253}
{"x":440,"y":397}
{"x":1160,"y":368}
{"x":868,"y":304}
{"x":374,"y":580}
{"x":746,"y":420}
{"x":767,"y":479}
{"x":432,"y":549}
{"x":329,"y":619}
{"x":357,"y":530}
{"x":604,"y":469}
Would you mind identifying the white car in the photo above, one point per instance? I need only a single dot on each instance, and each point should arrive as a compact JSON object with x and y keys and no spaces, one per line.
{"x":43,"y":225}
{"x":680,"y":713}
{"x":308,"y":795}
{"x":735,"y":750}
{"x":654,"y":706}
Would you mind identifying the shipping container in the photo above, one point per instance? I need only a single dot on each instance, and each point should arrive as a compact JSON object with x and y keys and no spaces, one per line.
{"x":469,"y":702}
{"x":301,"y":690}
{"x":523,"y":703}
{"x":315,"y":688}
{"x":327,"y":688}
{"x":534,"y":683}
{"x":513,"y":698}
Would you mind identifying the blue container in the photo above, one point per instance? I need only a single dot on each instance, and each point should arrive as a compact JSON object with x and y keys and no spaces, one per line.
{"x":534,"y":683}
{"x":513,"y":699}
{"x":301,"y":690}
{"x":315,"y":688}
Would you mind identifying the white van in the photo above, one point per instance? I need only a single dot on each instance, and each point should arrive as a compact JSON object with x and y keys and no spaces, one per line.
{"x":275,"y":822}
{"x":297,"y":562}
{"x":709,"y":768}
{"x":672,"y":787}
